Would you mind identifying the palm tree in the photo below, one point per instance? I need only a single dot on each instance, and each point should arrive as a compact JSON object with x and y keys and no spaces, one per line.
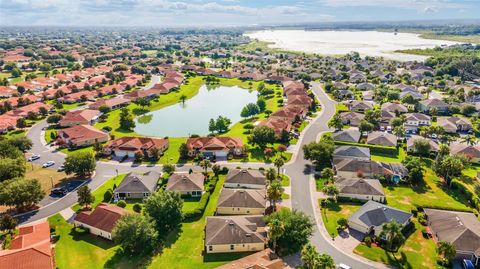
{"x":392,"y":232}
{"x":183,"y":98}
{"x":279,"y":162}
{"x":205,"y":164}
{"x":274,"y":192}
{"x":446,"y":250}
{"x":469,"y":140}
{"x":331,"y":190}
{"x":270,"y":175}
{"x":325,"y":261}
{"x":310,"y":256}
{"x":275,"y":231}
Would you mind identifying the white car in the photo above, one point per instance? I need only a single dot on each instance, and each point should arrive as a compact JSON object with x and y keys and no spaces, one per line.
{"x":48,"y":164}
{"x":343,"y":266}
{"x":33,"y":158}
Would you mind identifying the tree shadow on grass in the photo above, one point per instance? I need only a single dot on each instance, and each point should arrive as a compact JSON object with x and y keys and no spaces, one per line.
{"x":80,"y":234}
{"x":224,"y":257}
{"x":123,"y":260}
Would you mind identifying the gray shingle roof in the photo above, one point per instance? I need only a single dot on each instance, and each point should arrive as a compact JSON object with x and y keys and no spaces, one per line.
{"x":242,"y":176}
{"x":376,"y":214}
{"x":348,"y":135}
{"x":185,"y":182}
{"x":360,"y":186}
{"x":138,"y":183}
{"x":242,"y":198}
{"x":351,"y":151}
{"x":234,"y":230}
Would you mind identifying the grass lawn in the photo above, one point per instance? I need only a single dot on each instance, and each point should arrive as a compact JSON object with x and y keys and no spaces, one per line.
{"x":18,"y":133}
{"x":389,"y":158}
{"x":285,"y":181}
{"x":336,"y":211}
{"x":184,"y":249}
{"x":416,"y":252}
{"x":189,"y":204}
{"x":98,"y":193}
{"x":172,"y":154}
{"x":431,"y":193}
{"x":340,"y":107}
{"x":68,"y":150}
{"x":76,"y":248}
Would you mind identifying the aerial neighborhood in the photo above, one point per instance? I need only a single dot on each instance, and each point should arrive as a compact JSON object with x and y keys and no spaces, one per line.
{"x":210,"y":149}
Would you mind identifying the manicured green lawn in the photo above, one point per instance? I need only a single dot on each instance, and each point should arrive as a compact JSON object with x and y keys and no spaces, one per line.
{"x":416,"y":252}
{"x":336,"y":211}
{"x":98,"y":193}
{"x":285,"y":181}
{"x":189,"y":204}
{"x":15,"y":133}
{"x":388,"y":158}
{"x":431,"y":193}
{"x":172,"y":155}
{"x":185,"y":248}
{"x":340,"y":107}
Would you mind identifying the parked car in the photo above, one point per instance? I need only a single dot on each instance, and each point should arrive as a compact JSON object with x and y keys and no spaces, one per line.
{"x":382,"y":128}
{"x":61,"y":168}
{"x":467,"y":264}
{"x":59,"y":192}
{"x":343,"y":266}
{"x":33,"y":158}
{"x":48,"y":164}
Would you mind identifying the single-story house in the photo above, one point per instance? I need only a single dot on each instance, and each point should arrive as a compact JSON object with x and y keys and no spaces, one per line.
{"x":382,"y":139}
{"x":347,"y":135}
{"x":30,"y":249}
{"x":470,"y":151}
{"x":454,"y":124}
{"x":411,"y":143}
{"x":101,"y":220}
{"x":112,"y":103}
{"x":265,"y":259}
{"x":137,"y":186}
{"x":351,"y":168}
{"x":359,"y":106}
{"x":216,"y":146}
{"x":128,"y":146}
{"x":186,"y":184}
{"x":370,"y":218}
{"x":81,"y":135}
{"x":415,"y":120}
{"x":426,"y":105}
{"x":461,"y":229}
{"x":241,"y":202}
{"x":394,"y":107}
{"x":351,"y":152}
{"x":360,"y":188}
{"x":235,"y":234}
{"x":246,"y":179}
{"x":80,"y":117}
{"x":351,"y":118}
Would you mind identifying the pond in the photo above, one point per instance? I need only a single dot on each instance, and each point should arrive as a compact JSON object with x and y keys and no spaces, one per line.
{"x":371,"y":43}
{"x":182,"y":120}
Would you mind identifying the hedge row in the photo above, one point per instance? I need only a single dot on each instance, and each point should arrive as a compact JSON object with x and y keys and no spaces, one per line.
{"x":375,"y":149}
{"x":202,"y":204}
{"x":420,"y":208}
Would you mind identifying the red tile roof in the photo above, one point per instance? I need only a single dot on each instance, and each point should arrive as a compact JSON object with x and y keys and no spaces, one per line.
{"x":103,"y":217}
{"x":80,"y":133}
{"x":214,"y":143}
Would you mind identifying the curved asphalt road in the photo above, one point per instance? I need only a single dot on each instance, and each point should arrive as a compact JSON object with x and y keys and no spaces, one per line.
{"x":303,"y":187}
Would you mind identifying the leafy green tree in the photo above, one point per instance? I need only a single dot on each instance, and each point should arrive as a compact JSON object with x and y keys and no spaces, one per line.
{"x":309,"y":256}
{"x":331,"y":190}
{"x":279,"y":162}
{"x":274,"y":192}
{"x":143,"y":102}
{"x":168,"y":169}
{"x":216,"y":169}
{"x":136,"y":234}
{"x":205,"y":164}
{"x":12,"y":168}
{"x":104,"y":109}
{"x":327,"y":173}
{"x":262,"y":136}
{"x":85,"y":196}
{"x":325,"y":261}
{"x":126,"y":120}
{"x":336,"y":122}
{"x":447,"y":251}
{"x":16,"y":72}
{"x":276,"y":229}
{"x":297,"y":229}
{"x":7,"y":223}
{"x":421,"y":147}
{"x":342,"y":222}
{"x":183,"y":97}
{"x":319,"y":153}
{"x":392,"y":232}
{"x":20,"y":192}
{"x":212,"y":127}
{"x":365,"y":126}
{"x":81,"y":163}
{"x":261,"y":104}
{"x":249,"y":110}
{"x":165,"y":208}
{"x":21,"y":123}
{"x":183,"y":151}
{"x":270,"y":174}
{"x":477,"y":189}
{"x":54,"y":118}
{"x":222,"y":124}
{"x":452,"y":166}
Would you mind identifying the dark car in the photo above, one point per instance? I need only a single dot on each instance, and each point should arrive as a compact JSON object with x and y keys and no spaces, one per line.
{"x":467,"y":264}
{"x":59,"y":191}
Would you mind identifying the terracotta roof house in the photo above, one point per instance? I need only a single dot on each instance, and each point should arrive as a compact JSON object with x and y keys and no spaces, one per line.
{"x":461,"y":229}
{"x":264,"y":259}
{"x":30,"y":249}
{"x":81,"y":135}
{"x":352,"y":118}
{"x":101,"y":220}
{"x":348,"y":135}
{"x":247,"y":179}
{"x":129,"y":145}
{"x":277,"y":124}
{"x":359,"y":106}
{"x":112,"y":103}
{"x":371,"y":217}
{"x":289,"y":113}
{"x":299,"y":100}
{"x":137,"y":186}
{"x":454,"y":124}
{"x":165,"y":87}
{"x":186,"y":184}
{"x":360,"y":188}
{"x":80,"y":117}
{"x":7,"y":92}
{"x":218,"y":146}
{"x":351,"y":152}
{"x":470,"y":151}
{"x":241,"y":202}
{"x":34,"y":107}
{"x":426,"y":105}
{"x":382,"y":139}
{"x":411,"y":143}
{"x":149,"y":94}
{"x":78,"y":96}
{"x":394,"y":107}
{"x":235,"y":234}
{"x":7,"y":123}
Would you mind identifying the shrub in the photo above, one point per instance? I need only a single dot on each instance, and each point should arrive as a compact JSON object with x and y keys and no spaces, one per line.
{"x":107,"y":128}
{"x":121,"y":204}
{"x":108,"y":195}
{"x":422,"y":219}
{"x":248,"y":126}
{"x":137,"y":208}
{"x":368,"y":241}
{"x":224,"y":170}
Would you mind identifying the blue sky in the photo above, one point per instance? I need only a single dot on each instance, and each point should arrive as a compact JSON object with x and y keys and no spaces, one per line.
{"x":165,"y":13}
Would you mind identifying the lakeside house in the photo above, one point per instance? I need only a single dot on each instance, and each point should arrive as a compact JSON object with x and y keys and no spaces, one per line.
{"x":128,"y":146}
{"x":80,"y":117}
{"x":220,"y":146}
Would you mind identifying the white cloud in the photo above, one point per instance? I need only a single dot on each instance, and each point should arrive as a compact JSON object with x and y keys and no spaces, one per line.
{"x":420,"y":5}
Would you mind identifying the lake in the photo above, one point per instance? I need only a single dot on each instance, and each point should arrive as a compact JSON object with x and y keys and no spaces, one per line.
{"x":371,"y":43}
{"x":193,"y":117}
